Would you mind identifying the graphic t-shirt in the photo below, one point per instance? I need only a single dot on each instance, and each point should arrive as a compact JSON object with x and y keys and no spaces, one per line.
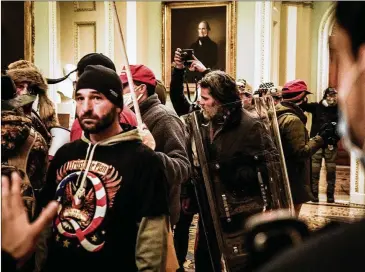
{"x":97,"y":222}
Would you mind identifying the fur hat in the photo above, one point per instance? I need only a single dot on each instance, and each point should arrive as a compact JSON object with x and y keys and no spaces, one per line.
{"x":25,"y":71}
{"x":243,"y":86}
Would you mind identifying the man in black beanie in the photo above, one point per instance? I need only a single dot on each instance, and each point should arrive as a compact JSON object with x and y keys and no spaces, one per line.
{"x":94,"y":59}
{"x":126,"y":116}
{"x":110,"y":186}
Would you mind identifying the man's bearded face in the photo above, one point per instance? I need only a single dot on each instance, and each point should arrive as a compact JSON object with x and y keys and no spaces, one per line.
{"x":209,"y":105}
{"x":95,"y":112}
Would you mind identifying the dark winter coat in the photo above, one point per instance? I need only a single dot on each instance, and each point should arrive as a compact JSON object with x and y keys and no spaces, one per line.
{"x":320,"y":115}
{"x":170,"y":136}
{"x":238,"y":149}
{"x":206,"y":51}
{"x":298,"y":149}
{"x":178,"y":99}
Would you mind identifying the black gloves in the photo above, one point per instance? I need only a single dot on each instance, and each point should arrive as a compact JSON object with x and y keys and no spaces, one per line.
{"x":329,"y":133}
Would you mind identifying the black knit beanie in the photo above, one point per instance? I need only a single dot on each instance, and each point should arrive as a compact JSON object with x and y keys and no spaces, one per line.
{"x":94,"y":59}
{"x":104,"y":80}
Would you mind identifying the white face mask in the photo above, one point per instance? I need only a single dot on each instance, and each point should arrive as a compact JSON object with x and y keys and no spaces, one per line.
{"x":128,"y":101}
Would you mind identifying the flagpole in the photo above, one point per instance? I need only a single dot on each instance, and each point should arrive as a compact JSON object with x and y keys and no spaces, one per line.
{"x":128,"y":70}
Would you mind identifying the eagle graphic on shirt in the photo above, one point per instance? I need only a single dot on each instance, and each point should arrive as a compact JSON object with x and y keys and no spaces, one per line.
{"x":84,"y":197}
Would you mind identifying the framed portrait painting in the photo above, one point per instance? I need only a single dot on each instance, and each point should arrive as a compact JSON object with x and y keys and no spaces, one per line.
{"x":208,"y":28}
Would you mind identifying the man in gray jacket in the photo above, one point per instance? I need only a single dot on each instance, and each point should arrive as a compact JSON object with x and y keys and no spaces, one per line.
{"x":167,"y":129}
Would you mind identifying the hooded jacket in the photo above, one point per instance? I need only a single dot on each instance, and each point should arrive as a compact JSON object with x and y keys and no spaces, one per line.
{"x":170,"y":136}
{"x":113,"y":206}
{"x":298,"y":149}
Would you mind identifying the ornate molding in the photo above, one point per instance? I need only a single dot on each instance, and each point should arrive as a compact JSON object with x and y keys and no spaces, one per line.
{"x":263,"y":29}
{"x":109,"y":43}
{"x":53,"y":48}
{"x":357,"y":171}
{"x":325,"y":29}
{"x":262,"y":44}
{"x":76,"y":37}
{"x":29,"y":31}
{"x":78,"y":9}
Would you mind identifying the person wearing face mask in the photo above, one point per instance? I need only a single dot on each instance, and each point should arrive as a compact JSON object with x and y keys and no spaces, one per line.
{"x":25,"y":150}
{"x":324,"y":119}
{"x":298,"y":148}
{"x":167,"y":130}
{"x":341,"y":249}
{"x":326,"y":111}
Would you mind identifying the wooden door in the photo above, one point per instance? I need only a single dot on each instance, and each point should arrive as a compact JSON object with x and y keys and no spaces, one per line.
{"x":82,"y":29}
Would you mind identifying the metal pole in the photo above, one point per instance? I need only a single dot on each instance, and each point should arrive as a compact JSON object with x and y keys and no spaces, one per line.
{"x":128,"y":71}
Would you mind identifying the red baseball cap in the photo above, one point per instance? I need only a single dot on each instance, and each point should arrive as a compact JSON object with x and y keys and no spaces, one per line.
{"x":295,"y":86}
{"x":139,"y":73}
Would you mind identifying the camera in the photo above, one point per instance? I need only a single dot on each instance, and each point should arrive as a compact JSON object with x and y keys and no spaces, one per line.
{"x":187,"y":56}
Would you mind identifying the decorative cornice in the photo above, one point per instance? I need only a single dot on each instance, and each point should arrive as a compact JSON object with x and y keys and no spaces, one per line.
{"x":78,"y":9}
{"x":297,"y":3}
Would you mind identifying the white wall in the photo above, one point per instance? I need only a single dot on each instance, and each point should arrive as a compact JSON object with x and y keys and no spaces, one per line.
{"x":245,"y":41}
{"x":319,"y":9}
{"x":41,"y":46}
{"x":149,"y":29}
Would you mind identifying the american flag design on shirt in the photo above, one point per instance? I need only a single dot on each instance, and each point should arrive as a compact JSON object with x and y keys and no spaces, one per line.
{"x":84,"y":202}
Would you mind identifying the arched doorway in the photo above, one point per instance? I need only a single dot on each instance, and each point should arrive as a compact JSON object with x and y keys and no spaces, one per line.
{"x":328,"y":67}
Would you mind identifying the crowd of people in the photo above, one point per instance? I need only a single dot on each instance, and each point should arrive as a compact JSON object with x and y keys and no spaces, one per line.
{"x":121,"y":194}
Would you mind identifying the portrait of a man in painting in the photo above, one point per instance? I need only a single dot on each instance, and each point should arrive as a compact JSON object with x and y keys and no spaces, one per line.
{"x":206,"y":28}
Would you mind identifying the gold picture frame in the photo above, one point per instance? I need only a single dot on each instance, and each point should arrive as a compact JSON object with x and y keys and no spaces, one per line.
{"x":29,"y":31}
{"x":230,"y":37}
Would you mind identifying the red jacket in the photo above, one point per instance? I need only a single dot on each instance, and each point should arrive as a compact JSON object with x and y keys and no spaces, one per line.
{"x":126,"y":116}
